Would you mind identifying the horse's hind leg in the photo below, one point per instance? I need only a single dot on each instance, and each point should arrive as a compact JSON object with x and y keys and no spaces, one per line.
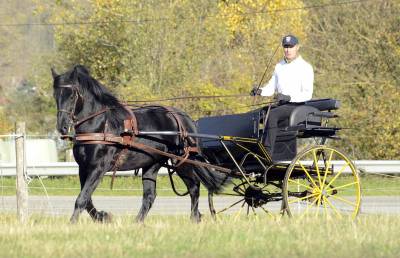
{"x":193,"y":185}
{"x":84,"y":199}
{"x":149,"y":180}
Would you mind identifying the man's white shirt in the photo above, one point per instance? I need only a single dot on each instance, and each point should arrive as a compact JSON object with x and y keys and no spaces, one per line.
{"x":295,"y":79}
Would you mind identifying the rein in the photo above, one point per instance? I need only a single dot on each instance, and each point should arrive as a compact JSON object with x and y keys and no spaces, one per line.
{"x":190,"y":97}
{"x":79,"y":122}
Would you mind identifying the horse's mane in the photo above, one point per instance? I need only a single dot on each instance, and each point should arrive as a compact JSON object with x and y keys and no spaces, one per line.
{"x":101,"y":94}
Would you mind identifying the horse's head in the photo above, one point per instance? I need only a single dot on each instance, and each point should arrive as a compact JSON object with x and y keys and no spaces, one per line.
{"x":68,"y":96}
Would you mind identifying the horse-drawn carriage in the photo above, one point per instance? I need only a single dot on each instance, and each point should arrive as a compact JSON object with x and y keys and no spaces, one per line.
{"x":317,"y":179}
{"x":217,"y":151}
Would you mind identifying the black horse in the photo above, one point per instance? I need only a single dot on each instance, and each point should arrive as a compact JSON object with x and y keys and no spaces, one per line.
{"x":87,"y":106}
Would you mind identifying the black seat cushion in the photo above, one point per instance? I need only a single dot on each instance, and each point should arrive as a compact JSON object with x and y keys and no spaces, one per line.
{"x":323,"y":104}
{"x":304,"y":115}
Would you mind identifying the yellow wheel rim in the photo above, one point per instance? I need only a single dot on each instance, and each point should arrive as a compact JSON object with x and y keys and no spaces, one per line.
{"x":321,"y":181}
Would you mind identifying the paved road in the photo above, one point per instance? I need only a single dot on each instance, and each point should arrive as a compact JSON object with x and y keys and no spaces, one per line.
{"x":63,"y":205}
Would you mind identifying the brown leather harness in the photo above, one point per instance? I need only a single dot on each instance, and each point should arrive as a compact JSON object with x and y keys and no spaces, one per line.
{"x":130,"y":132}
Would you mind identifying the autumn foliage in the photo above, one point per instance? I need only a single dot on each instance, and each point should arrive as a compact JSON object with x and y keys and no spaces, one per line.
{"x":149,"y":50}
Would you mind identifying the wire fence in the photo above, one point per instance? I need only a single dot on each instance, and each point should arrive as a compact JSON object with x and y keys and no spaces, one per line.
{"x":44,"y":188}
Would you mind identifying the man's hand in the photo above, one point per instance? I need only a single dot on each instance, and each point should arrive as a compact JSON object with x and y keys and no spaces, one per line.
{"x":282,"y":98}
{"x":255,"y":91}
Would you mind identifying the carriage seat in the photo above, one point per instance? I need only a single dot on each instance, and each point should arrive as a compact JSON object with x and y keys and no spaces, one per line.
{"x":309,"y":114}
{"x":305,"y":121}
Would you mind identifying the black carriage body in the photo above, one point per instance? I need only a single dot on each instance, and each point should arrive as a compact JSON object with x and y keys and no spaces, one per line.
{"x":305,"y":121}
{"x":238,"y":125}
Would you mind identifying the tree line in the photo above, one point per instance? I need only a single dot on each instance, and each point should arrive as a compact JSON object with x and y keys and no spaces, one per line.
{"x":149,"y":50}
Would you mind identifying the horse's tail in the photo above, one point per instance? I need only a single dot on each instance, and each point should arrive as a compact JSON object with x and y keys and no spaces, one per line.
{"x":212,"y":179}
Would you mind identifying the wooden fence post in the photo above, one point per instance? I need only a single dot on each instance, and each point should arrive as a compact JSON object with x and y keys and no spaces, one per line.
{"x":21,"y":185}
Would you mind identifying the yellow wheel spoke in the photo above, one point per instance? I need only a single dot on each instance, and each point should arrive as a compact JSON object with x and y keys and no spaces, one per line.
{"x":324,"y":204}
{"x":240,"y":211}
{"x":317,"y":168}
{"x":337,"y":175}
{"x":298,"y":183}
{"x":269,"y":213}
{"x":238,"y":214}
{"x":230,"y":206}
{"x":308,"y":174}
{"x":318,"y":205}
{"x":255,"y":213}
{"x":342,"y":186}
{"x":344,"y":200}
{"x":302,"y":198}
{"x":318,"y":182}
{"x":308,"y":206}
{"x":333,"y":207}
{"x":327,"y":168}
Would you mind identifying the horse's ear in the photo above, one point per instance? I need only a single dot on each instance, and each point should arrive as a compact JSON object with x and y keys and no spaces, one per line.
{"x":53,"y":73}
{"x":82,"y":69}
{"x":75,"y":74}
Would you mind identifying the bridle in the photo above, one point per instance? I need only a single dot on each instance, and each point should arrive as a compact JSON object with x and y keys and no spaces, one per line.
{"x":74,"y":121}
{"x":76,"y":96}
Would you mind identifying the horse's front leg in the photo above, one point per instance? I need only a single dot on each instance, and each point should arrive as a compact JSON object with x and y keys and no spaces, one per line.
{"x":84,"y":200}
{"x":193,"y":185}
{"x":96,"y":215}
{"x":149,"y":181}
{"x":100,"y":216}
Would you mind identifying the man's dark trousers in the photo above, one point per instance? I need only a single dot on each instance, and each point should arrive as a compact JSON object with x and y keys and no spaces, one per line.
{"x":271,"y":129}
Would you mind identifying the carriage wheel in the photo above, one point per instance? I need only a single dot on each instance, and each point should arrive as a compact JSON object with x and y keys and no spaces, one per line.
{"x":321,"y":181}
{"x":246,"y":199}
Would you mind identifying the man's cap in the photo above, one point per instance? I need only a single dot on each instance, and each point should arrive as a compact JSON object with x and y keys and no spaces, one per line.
{"x":289,"y":40}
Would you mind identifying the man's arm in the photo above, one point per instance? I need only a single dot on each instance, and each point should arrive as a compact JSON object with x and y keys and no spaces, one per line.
{"x":270,"y":87}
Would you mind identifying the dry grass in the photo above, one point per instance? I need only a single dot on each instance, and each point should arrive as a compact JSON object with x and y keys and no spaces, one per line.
{"x":176,"y":236}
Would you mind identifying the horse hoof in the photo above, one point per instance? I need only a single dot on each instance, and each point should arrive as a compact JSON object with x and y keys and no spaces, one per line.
{"x":103,"y":217}
{"x":196,"y":219}
{"x":139,"y":220}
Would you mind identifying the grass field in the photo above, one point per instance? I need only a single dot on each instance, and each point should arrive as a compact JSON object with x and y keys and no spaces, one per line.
{"x":129,"y":186}
{"x":167,"y":236}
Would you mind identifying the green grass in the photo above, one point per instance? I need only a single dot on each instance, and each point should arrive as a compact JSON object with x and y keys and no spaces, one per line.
{"x":129,"y":186}
{"x":176,"y":236}
{"x":69,"y":185}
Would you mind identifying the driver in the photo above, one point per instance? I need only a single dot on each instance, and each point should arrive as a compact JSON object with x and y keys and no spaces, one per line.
{"x":292,"y":81}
